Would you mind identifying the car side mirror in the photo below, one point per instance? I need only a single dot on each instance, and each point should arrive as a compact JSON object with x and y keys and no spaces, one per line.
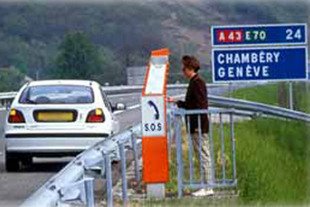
{"x":119,"y":107}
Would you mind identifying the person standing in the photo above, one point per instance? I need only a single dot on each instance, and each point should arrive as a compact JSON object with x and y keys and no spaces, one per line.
{"x":196,"y":98}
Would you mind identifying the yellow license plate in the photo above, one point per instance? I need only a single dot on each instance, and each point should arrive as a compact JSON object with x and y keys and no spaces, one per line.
{"x":55,"y":116}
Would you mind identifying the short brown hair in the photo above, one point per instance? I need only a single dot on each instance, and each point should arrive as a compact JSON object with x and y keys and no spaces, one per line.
{"x":191,"y":62}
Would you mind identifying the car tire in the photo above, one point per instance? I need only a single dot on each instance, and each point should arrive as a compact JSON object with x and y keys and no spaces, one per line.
{"x":11,"y":162}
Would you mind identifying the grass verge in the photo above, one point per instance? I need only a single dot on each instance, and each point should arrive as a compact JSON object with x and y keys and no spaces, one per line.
{"x":270,"y":94}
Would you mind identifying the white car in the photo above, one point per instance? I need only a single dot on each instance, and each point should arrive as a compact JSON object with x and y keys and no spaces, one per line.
{"x":57,"y":118}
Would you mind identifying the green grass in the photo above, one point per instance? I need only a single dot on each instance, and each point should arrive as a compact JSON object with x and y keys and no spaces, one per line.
{"x":269,"y":94}
{"x":273,"y":155}
{"x":265,"y":94}
{"x":272,"y":161}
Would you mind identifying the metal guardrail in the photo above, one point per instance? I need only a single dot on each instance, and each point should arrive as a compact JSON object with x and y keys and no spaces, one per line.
{"x":250,"y":108}
{"x":74,"y":183}
{"x":6,"y":98}
{"x":258,"y":108}
{"x":4,"y":95}
{"x":138,"y":88}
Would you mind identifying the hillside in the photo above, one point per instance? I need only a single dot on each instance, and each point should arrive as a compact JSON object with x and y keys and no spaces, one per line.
{"x":127,"y":31}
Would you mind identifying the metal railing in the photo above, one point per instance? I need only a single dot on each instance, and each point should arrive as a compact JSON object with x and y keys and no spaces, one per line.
{"x":251,"y":108}
{"x":211,"y":169}
{"x":258,"y":108}
{"x":74,"y":182}
{"x":6,"y":99}
{"x":138,"y":88}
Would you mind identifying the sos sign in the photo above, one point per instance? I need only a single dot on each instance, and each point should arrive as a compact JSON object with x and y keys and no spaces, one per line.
{"x":153,"y":116}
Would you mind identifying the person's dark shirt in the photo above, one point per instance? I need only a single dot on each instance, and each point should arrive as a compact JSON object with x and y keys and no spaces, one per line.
{"x":196,"y":98}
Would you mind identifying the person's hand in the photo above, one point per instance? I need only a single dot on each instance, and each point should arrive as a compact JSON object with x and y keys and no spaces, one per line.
{"x":170,"y":99}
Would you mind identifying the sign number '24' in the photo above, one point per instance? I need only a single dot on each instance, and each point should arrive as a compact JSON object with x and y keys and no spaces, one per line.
{"x":291,"y":34}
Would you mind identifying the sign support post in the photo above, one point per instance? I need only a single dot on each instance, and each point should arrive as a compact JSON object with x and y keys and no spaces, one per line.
{"x":154,"y":127}
{"x":291,"y":95}
{"x":230,"y":89}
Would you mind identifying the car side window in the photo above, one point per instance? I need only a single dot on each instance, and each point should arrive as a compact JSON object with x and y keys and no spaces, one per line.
{"x":105,"y":100}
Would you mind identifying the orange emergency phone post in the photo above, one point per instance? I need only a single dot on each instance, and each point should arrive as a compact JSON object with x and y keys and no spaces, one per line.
{"x":154,"y":128}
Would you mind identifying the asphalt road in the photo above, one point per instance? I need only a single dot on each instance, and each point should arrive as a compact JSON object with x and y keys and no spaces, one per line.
{"x":16,"y":187}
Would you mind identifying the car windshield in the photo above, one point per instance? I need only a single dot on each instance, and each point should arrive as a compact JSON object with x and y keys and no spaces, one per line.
{"x":57,"y":94}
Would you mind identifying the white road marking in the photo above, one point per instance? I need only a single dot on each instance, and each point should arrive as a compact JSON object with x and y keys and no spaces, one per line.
{"x":122,"y":95}
{"x":128,"y":109}
{"x":134,"y":106}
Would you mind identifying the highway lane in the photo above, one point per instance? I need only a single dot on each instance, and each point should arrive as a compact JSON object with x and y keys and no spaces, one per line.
{"x":16,"y":187}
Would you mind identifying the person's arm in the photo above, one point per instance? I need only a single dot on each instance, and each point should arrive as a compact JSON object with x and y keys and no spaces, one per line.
{"x":179,"y":103}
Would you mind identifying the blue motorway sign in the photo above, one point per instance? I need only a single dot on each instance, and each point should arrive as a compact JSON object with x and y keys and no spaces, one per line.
{"x":259,"y":34}
{"x":246,"y":64}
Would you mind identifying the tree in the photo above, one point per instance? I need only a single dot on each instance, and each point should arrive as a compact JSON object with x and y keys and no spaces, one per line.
{"x":111,"y":70}
{"x":78,"y":58}
{"x":11,"y":79}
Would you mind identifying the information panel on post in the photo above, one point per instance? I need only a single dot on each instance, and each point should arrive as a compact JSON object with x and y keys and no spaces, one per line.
{"x":153,"y":108}
{"x":269,"y":34}
{"x":272,"y":52}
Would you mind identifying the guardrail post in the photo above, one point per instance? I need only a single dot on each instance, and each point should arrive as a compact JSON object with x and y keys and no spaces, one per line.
{"x":291,"y":95}
{"x":136,"y":156}
{"x":230,"y":89}
{"x":89,"y":189}
{"x":123,"y":168}
{"x":190,"y":153}
{"x":109,"y":183}
{"x":179,"y":158}
{"x":168,"y":129}
{"x":212,"y":150}
{"x":202,"y":177}
{"x":233,"y":140}
{"x":223,"y":159}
